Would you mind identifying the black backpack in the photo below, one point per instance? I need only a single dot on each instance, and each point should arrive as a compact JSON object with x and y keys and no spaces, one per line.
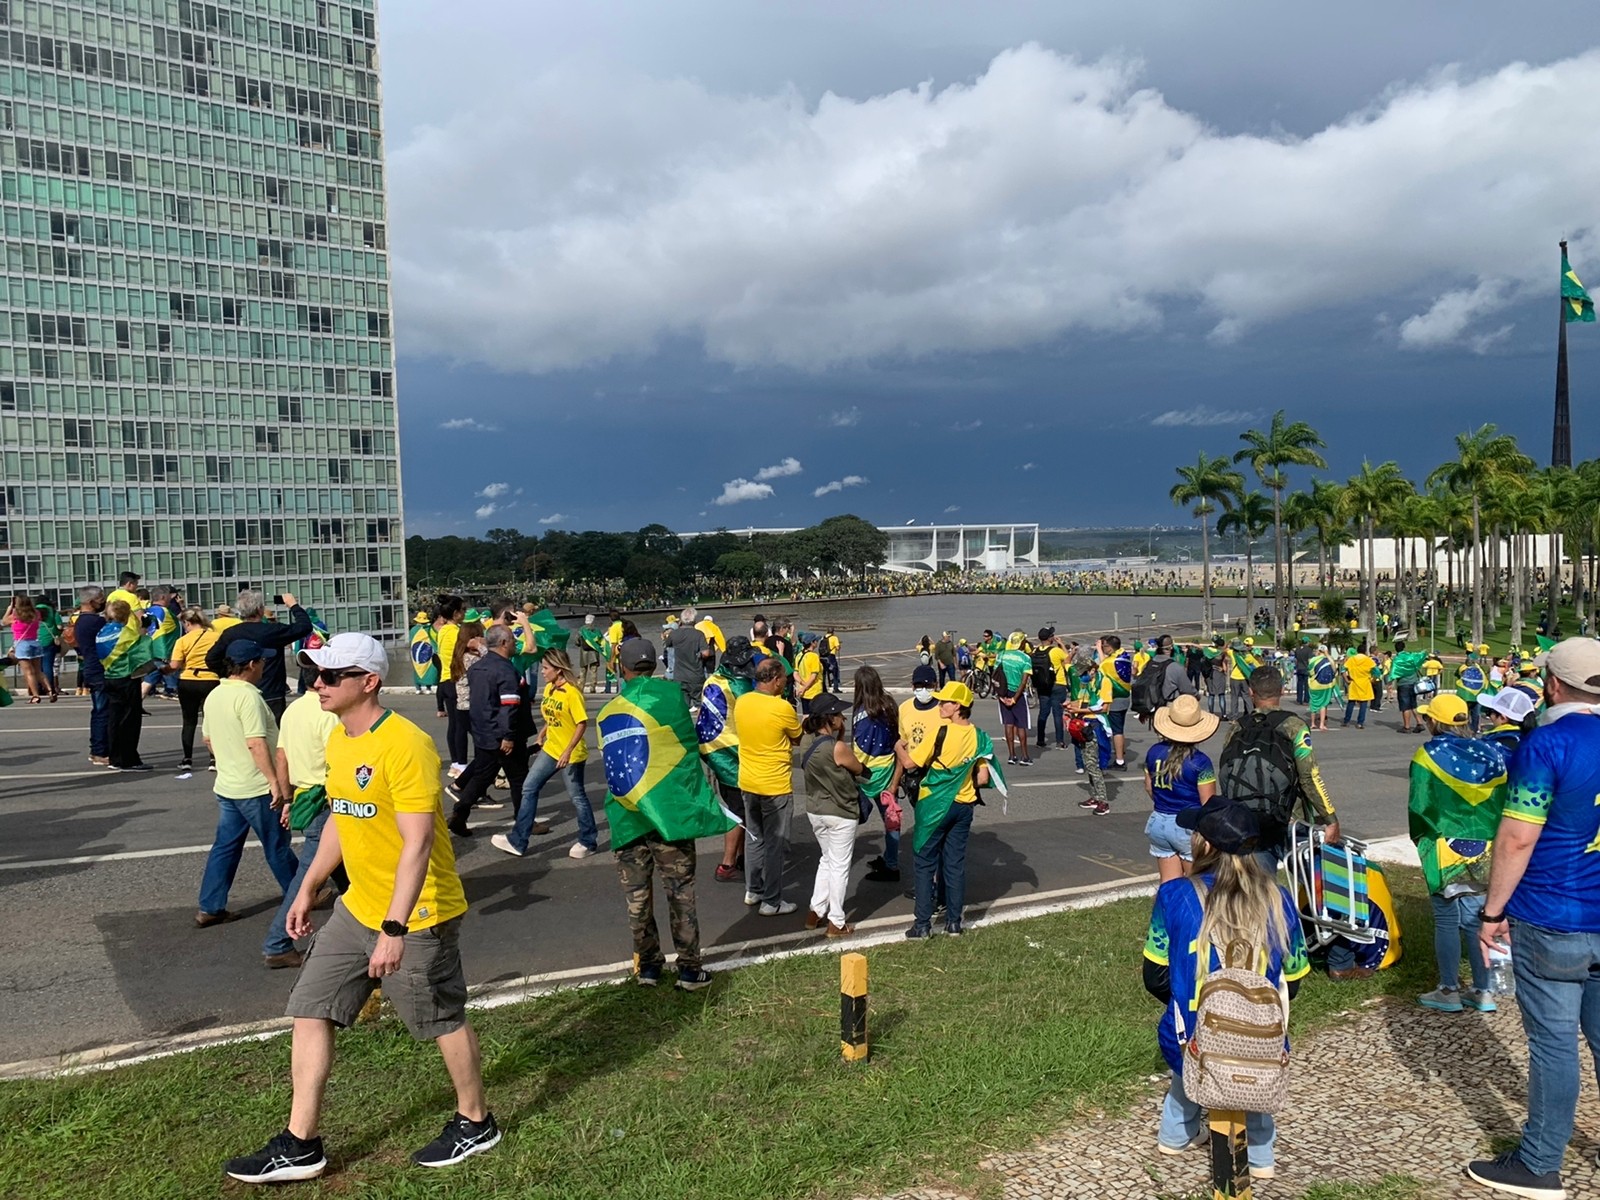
{"x":1258,"y":769}
{"x":1197,"y":662}
{"x":1044,"y":675}
{"x":1150,"y":687}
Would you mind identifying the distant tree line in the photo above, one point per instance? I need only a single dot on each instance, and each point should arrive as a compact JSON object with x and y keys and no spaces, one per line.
{"x":652,"y":557}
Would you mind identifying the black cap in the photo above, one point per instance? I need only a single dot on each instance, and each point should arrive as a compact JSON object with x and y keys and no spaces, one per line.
{"x":1228,"y":825}
{"x":1046,"y":634}
{"x":637,"y":655}
{"x":924,"y":676}
{"x":828,"y":705}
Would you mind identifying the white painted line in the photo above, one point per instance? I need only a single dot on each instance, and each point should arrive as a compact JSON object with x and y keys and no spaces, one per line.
{"x":71,"y":728}
{"x":120,"y":856}
{"x":76,"y":774}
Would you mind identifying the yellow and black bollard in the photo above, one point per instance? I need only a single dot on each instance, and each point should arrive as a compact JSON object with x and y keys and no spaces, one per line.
{"x":1230,"y":1162}
{"x":853,"y":1007}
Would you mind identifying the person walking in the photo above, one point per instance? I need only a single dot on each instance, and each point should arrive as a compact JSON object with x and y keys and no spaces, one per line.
{"x":23,"y":618}
{"x":303,"y":770}
{"x":1543,"y":907}
{"x":1227,"y":898}
{"x":691,"y":655}
{"x":242,"y":736}
{"x":833,"y":806}
{"x":250,"y":607}
{"x":399,"y":925}
{"x":768,"y":730}
{"x":195,"y":680}
{"x":1177,"y":776}
{"x":502,"y":722}
{"x":562,"y":749}
{"x":86,"y":627}
{"x":1359,"y":670}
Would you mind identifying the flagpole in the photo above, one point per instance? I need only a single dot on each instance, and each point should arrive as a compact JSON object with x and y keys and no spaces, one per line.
{"x":1561,"y":437}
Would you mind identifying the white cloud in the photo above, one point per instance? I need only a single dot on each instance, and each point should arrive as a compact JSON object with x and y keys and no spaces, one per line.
{"x":789,"y":466}
{"x":471,"y":424}
{"x":596,"y":213}
{"x":838,"y":485}
{"x":1200,"y":415}
{"x":494,"y":490}
{"x":1029,"y":466}
{"x":486,"y":510}
{"x":553,"y":519}
{"x":847,"y":418}
{"x":737,"y":490}
{"x":967,"y":426}
{"x":1452,"y":315}
{"x":953,"y":508}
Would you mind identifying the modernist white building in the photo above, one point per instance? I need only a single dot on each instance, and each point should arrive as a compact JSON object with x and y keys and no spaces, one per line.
{"x":946,"y":547}
{"x":1416,"y":550}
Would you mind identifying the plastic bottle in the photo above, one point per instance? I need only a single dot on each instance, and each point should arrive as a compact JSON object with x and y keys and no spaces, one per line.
{"x":1502,"y":982}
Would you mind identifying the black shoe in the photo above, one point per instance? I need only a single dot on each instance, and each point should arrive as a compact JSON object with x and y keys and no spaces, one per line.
{"x":460,"y":1139}
{"x":1507,"y":1174}
{"x":883,"y":875}
{"x":284,"y":1159}
{"x":459,"y":828}
{"x":136,"y":767}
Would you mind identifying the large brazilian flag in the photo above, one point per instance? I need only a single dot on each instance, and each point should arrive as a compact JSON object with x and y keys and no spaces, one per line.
{"x":1458,"y":789}
{"x":129,"y":654}
{"x":654,"y":782}
{"x":714,"y":727}
{"x":425,"y":654}
{"x":874,"y":746}
{"x":941,"y":785}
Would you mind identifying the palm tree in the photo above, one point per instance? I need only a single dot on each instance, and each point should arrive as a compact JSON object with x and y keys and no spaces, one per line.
{"x":1370,"y":495}
{"x":1330,"y":521}
{"x":1250,"y":515}
{"x":1284,"y":444}
{"x":1210,"y":482}
{"x":1299,"y":516}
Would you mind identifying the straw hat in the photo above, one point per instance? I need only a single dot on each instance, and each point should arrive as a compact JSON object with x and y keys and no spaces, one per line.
{"x":1185,"y":721}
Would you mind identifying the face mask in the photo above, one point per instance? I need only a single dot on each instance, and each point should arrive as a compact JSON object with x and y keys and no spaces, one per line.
{"x":923,"y":695}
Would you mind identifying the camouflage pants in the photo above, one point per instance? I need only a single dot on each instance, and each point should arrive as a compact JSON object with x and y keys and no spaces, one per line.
{"x":637,"y":866}
{"x":1097,"y":776}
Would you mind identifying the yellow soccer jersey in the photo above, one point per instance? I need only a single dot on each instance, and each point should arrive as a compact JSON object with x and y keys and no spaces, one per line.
{"x":563,"y":711}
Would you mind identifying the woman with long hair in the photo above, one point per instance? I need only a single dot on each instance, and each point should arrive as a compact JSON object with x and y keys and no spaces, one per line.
{"x":875,"y":728}
{"x":561,"y":749}
{"x":24,"y":620}
{"x":467,"y":650}
{"x":1177,"y":775}
{"x":195,"y":682}
{"x":1227,"y":898}
{"x":833,"y":806}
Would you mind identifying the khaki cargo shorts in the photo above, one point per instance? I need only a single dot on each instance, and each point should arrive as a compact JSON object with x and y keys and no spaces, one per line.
{"x":429,"y":991}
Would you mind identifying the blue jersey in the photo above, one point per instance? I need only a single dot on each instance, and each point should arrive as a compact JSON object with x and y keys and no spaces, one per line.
{"x":1555,"y":782}
{"x":1174,"y":791}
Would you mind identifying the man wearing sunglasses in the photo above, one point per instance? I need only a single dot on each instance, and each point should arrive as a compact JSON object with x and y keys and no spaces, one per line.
{"x":398,"y":925}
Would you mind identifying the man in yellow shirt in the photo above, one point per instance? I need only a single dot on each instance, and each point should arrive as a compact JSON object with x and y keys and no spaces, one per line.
{"x":808,"y":673}
{"x":303,"y":771}
{"x":399,"y":925}
{"x":124,"y":591}
{"x":768,"y":730}
{"x":1358,"y":669}
{"x":830,"y":661}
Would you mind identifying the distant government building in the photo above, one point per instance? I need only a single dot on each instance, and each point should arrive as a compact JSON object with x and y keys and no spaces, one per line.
{"x":196,"y":359}
{"x":931,"y":548}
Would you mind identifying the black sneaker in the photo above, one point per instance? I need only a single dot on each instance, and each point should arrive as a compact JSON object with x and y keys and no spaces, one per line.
{"x":1507,"y":1174}
{"x":460,"y":1139}
{"x":648,"y":974}
{"x":284,"y":1159}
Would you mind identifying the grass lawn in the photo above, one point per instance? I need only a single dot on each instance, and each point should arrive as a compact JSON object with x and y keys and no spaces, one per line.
{"x":619,"y":1092}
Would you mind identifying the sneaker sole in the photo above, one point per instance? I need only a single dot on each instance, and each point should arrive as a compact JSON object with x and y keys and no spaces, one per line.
{"x":283,"y":1174}
{"x":1443,"y":1008}
{"x":475,"y":1148}
{"x":692,"y":987}
{"x":1511,"y":1189}
{"x":1487,"y":1007}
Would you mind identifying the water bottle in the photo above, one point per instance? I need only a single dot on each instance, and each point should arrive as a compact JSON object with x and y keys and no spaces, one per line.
{"x":1501,"y":980}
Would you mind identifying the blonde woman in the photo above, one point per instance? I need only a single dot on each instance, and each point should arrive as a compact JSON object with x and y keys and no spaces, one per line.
{"x":1177,"y":775}
{"x":1228,"y":898}
{"x":195,"y":681}
{"x":561,"y":748}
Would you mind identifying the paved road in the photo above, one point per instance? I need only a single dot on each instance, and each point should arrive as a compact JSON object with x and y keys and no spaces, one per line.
{"x":99,"y":873}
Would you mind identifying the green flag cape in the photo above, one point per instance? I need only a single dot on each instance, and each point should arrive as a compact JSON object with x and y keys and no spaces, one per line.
{"x":654,"y":782}
{"x":714,"y":728}
{"x":1458,"y":789}
{"x":941,"y":785}
{"x":1575,"y":302}
{"x":1544,"y":642}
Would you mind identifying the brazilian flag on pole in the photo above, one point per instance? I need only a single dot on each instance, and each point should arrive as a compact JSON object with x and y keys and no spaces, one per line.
{"x":1458,"y":789}
{"x":654,"y":781}
{"x":1575,"y":302}
{"x":942,"y":784}
{"x":714,"y":727}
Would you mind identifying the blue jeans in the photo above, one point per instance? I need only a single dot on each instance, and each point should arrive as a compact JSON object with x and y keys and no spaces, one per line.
{"x":1456,"y":919}
{"x":539,"y":773}
{"x":1181,"y":1122}
{"x":99,"y":721}
{"x":47,"y":665}
{"x":278,"y":939}
{"x":1048,"y":705}
{"x":1558,"y":990}
{"x":1302,"y":688}
{"x":945,"y":851}
{"x":236,"y":819}
{"x":1357,"y":709}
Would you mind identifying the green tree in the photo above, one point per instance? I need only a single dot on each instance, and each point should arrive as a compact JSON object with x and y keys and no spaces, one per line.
{"x":742,"y":566}
{"x":850,"y":543}
{"x":1207,"y":484}
{"x":1482,"y":454}
{"x":1368,"y":498}
{"x":1284,"y":444}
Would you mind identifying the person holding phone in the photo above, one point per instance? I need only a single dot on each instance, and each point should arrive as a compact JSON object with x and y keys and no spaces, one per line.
{"x":250,"y":608}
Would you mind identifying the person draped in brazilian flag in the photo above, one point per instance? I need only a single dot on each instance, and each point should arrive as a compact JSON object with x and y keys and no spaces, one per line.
{"x":1458,"y":790}
{"x":126,"y":655}
{"x":161,"y":623}
{"x":715,"y":728}
{"x":875,"y":728}
{"x":658,"y":801}
{"x":1471,"y":679}
{"x":591,"y":653}
{"x":424,"y":653}
{"x":957,"y":761}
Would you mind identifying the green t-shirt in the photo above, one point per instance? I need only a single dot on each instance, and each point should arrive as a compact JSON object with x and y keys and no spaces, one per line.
{"x":235,"y":711}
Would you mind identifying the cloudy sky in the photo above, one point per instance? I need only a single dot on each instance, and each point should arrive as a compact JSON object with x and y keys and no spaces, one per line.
{"x":754,"y":264}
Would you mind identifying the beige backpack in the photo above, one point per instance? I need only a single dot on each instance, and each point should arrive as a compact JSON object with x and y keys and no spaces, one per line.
{"x":1235,"y":1059}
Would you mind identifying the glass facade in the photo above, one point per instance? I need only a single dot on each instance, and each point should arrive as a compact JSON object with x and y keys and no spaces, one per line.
{"x":196,"y":358}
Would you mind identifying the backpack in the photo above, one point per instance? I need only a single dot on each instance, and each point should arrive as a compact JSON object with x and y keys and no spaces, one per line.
{"x":1257,"y":767}
{"x":1044,"y":675}
{"x":911,"y":780}
{"x":1150,"y":687}
{"x":1325,"y":673}
{"x":1197,"y":663}
{"x":1236,"y":1058}
{"x":69,"y":634}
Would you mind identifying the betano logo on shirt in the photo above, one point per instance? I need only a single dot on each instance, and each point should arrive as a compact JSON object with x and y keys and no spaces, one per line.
{"x":365,"y":810}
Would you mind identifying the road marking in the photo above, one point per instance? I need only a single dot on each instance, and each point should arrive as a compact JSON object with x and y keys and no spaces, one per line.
{"x":68,"y":728}
{"x":120,"y":856}
{"x":1111,"y":866}
{"x":72,"y":774}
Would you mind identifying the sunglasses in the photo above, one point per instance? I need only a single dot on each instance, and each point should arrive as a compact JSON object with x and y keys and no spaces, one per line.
{"x":334,"y":676}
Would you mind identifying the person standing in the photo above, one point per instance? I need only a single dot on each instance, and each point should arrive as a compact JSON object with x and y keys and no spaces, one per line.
{"x":86,"y":627}
{"x":591,"y":651}
{"x":1116,"y":689}
{"x":1302,"y":671}
{"x":23,"y":618}
{"x":1012,"y":667}
{"x":691,"y":656}
{"x":250,"y":607}
{"x":1322,"y":687}
{"x":717,"y":731}
{"x":1359,"y":669}
{"x":768,"y":730}
{"x":944,"y":657}
{"x":830,"y":660}
{"x":447,"y":615}
{"x":125,"y":656}
{"x":1405,"y":670}
{"x":51,"y":624}
{"x":562,"y":749}
{"x":399,"y":925}
{"x":242,"y":736}
{"x":808,"y":672}
{"x":1177,"y":776}
{"x":501,"y":717}
{"x":1543,"y":907}
{"x":874,"y":729}
{"x":195,"y":680}
{"x":833,"y":806}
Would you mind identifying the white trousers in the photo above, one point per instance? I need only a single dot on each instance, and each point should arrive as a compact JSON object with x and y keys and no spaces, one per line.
{"x":836,"y":836}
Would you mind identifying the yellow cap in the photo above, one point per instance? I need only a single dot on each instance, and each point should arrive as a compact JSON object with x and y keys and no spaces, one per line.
{"x":1250,"y":641}
{"x":954,"y":693}
{"x":1446,"y":708}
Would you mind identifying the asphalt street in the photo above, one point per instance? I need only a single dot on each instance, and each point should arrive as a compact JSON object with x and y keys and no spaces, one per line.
{"x":99,"y":874}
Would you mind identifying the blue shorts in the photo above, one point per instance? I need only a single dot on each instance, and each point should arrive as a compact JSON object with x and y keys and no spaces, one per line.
{"x":1166,"y":839}
{"x":26,"y":648}
{"x":1117,"y":719}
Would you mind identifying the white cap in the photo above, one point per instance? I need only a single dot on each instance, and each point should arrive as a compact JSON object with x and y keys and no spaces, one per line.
{"x":344,"y":651}
{"x":1575,"y":661}
{"x":1513,"y":704}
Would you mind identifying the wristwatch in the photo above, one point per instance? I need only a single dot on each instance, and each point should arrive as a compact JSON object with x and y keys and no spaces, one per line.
{"x":395,"y":928}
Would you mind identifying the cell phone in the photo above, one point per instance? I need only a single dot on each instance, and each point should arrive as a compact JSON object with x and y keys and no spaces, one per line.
{"x":277,"y":599}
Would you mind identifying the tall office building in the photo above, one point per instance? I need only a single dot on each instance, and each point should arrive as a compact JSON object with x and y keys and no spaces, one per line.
{"x":196,"y":360}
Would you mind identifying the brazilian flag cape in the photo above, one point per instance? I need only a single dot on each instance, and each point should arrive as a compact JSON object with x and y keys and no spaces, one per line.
{"x":425,"y":654}
{"x":547,"y":635}
{"x":719,"y":739}
{"x":874,"y":746}
{"x":1458,"y":789}
{"x":941,"y":785}
{"x":129,"y":654}
{"x":164,"y":636}
{"x":1017,"y":667}
{"x":654,"y":782}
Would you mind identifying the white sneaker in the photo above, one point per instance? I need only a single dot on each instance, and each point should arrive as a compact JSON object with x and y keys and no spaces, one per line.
{"x":579,"y":850}
{"x":1201,"y":1139}
{"x":1263,"y":1172}
{"x":456,"y":769}
{"x":487,"y":803}
{"x":751,"y":899}
{"x":501,"y":842}
{"x":781,"y":909}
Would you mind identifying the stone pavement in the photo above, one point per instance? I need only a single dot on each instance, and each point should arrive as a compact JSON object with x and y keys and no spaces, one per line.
{"x":1392,"y":1090}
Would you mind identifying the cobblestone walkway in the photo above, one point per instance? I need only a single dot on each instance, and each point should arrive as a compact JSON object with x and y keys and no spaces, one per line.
{"x":1395,"y":1089}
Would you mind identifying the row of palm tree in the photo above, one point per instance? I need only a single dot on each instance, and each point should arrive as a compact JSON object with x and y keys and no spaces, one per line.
{"x":1483,"y":511}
